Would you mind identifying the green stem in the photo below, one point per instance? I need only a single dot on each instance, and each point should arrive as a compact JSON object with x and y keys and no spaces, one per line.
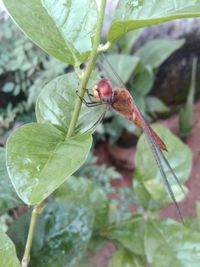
{"x":35,"y":213}
{"x":89,"y":68}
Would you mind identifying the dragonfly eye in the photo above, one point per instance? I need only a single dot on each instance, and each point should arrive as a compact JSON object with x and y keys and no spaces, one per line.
{"x":95,"y":92}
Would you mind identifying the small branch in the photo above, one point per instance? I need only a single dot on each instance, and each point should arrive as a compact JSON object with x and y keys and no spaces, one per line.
{"x":87,"y":73}
{"x":105,"y":47}
{"x":35,"y":213}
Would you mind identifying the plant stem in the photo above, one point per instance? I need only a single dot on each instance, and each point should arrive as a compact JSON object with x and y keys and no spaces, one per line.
{"x":89,"y":68}
{"x":35,"y":213}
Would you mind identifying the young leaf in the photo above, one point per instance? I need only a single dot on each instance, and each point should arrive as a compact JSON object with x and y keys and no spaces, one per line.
{"x":179,"y":157}
{"x":39,"y":159}
{"x":155,"y":52}
{"x":63,"y":29}
{"x":122,"y":258}
{"x":8,"y":196}
{"x":185,"y":116}
{"x":55,"y":104}
{"x":61,"y":235}
{"x":131,"y":15}
{"x":83,"y":191}
{"x":8,"y":256}
{"x":168,"y":243}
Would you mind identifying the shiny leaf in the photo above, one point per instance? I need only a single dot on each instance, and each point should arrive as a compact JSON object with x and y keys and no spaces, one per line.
{"x":83,"y":191}
{"x":8,"y":256}
{"x":56,"y":102}
{"x":168,"y":243}
{"x":8,"y":196}
{"x":147,"y":173}
{"x":53,"y":25}
{"x":61,"y":236}
{"x":131,"y":15}
{"x":155,"y":52}
{"x":39,"y":159}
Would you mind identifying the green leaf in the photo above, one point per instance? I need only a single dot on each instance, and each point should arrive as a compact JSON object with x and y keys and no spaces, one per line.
{"x":63,"y":29}
{"x":83,"y":191}
{"x":61,"y":236}
{"x":131,"y":15}
{"x":123,"y":64}
{"x":128,"y":40}
{"x":168,"y":243}
{"x":155,"y":52}
{"x":39,"y":159}
{"x":8,"y":256}
{"x":144,"y":197}
{"x":154,"y":104}
{"x":56,"y":102}
{"x":8,"y":196}
{"x":185,"y":115}
{"x":179,"y":157}
{"x":8,"y":87}
{"x":122,"y":258}
{"x":144,"y":80}
{"x":129,"y":234}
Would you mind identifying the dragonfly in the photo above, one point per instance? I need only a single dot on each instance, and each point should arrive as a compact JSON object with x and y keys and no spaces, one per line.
{"x":121,"y":102}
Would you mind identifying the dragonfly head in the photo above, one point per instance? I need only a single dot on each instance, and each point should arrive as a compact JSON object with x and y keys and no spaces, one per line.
{"x":103,"y":91}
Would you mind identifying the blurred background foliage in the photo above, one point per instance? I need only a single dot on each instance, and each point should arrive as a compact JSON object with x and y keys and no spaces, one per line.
{"x":24,"y":70}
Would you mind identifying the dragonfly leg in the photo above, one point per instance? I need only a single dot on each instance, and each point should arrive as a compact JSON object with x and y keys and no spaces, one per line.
{"x":89,"y":104}
{"x":89,"y":95}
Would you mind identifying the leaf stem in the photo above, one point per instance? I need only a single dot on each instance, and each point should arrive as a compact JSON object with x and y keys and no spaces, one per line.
{"x":105,"y":47}
{"x":89,"y":68}
{"x":35,"y":213}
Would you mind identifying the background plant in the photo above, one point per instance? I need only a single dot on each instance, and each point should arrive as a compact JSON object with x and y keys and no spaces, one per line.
{"x":24,"y":70}
{"x":42,"y":156}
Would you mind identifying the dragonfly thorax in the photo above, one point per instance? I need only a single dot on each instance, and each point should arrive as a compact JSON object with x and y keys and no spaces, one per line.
{"x":103,"y":91}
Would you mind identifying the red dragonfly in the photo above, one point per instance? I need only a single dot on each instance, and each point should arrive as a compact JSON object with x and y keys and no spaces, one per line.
{"x":120,"y":101}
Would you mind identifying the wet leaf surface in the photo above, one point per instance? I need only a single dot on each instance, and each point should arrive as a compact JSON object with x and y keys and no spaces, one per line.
{"x":61,"y":237}
{"x":84,"y":191}
{"x":40,"y":159}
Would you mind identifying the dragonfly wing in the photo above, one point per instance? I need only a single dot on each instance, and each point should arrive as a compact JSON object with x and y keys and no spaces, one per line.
{"x":158,"y":155}
{"x":156,"y":151}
